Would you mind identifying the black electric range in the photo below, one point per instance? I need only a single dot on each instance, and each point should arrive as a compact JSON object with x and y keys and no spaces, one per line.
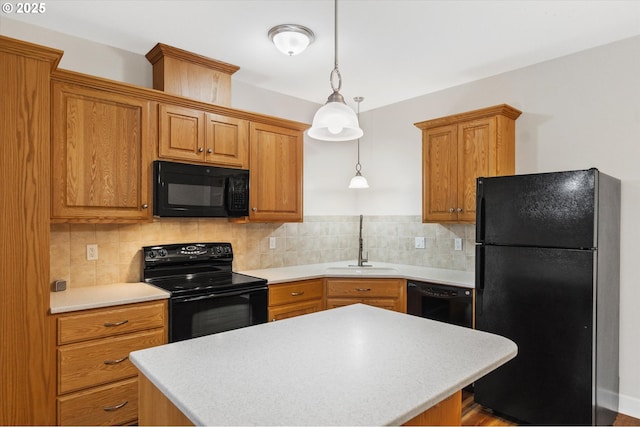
{"x":206,"y":295}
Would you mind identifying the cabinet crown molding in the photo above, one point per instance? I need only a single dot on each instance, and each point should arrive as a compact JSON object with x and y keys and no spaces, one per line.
{"x":30,"y":50}
{"x":497,"y":110}
{"x":161,"y":50}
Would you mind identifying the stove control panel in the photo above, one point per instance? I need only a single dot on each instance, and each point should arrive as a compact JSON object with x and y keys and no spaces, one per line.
{"x":187,"y":252}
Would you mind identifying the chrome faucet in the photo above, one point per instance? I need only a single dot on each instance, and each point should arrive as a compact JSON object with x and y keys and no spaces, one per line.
{"x":361,"y":259}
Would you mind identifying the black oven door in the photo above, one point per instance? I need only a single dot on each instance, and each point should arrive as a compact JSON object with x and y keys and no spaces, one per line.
{"x":195,"y":316}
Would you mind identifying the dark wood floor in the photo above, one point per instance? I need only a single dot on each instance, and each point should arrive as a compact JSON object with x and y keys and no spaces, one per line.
{"x":475,"y":415}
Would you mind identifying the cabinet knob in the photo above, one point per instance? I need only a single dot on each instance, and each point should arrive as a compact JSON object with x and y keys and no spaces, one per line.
{"x":145,"y":206}
{"x":200,"y":150}
{"x":459,"y":210}
{"x":209,"y":151}
{"x":451,"y":210}
{"x":254,"y":209}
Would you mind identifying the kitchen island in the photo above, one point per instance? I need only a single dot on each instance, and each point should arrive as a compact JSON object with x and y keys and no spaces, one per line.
{"x":355,"y":365}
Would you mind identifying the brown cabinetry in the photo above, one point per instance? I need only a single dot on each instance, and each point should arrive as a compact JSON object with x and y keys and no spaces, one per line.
{"x":379,"y":292}
{"x":276,"y":173}
{"x":188,"y":134}
{"x":96,"y":382}
{"x":295,"y":298}
{"x":455,"y":151}
{"x":101,"y":145}
{"x":26,"y":371}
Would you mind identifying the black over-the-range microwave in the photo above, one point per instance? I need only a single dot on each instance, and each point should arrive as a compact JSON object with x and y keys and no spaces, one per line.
{"x":186,"y":190}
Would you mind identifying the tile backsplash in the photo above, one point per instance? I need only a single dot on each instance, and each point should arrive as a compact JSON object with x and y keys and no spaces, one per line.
{"x":317,"y":239}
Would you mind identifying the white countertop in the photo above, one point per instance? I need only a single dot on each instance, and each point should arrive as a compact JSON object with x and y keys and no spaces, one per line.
{"x":354,"y":365}
{"x":465,"y":279}
{"x":84,"y":298}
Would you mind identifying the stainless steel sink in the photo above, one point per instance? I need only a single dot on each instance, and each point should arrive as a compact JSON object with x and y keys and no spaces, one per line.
{"x":364,"y":271}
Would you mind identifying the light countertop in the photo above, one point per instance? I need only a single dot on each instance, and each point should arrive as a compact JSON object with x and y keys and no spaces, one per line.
{"x":465,"y":279}
{"x":354,"y":365}
{"x":88,"y":297}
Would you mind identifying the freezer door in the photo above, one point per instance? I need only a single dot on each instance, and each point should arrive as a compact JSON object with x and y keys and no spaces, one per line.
{"x":544,"y":210}
{"x":542,"y":299}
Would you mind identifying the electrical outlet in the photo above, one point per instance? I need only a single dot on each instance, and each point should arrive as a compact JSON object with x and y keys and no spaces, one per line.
{"x":419,"y":242}
{"x":272,"y":242}
{"x":92,"y":252}
{"x":457,"y":244}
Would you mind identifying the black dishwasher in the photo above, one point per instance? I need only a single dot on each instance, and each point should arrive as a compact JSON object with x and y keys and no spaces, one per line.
{"x":449,"y":304}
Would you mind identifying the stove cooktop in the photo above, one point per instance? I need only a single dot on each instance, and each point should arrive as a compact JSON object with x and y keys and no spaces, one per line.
{"x":195,"y":269}
{"x":206,"y":283}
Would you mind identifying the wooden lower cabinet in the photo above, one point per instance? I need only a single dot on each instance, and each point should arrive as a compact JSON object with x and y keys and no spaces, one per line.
{"x":111,"y":404}
{"x":379,"y":292}
{"x":96,"y":382}
{"x":295,"y":298}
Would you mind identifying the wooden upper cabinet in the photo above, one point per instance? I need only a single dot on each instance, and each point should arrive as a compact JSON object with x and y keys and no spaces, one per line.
{"x":180,"y":133}
{"x":276,"y":174}
{"x":458,"y":149}
{"x":187,"y":134}
{"x":101,"y":143}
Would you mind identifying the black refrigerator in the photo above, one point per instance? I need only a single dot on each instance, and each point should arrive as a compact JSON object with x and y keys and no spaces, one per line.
{"x":547,"y":277}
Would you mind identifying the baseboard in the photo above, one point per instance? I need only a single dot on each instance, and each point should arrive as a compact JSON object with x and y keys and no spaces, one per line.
{"x":628,"y":405}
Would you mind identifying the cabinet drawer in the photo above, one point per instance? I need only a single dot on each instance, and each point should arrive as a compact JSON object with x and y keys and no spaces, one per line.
{"x":365,"y":288}
{"x":286,"y":311}
{"x":101,"y":361}
{"x":304,"y":290}
{"x":113,"y":404}
{"x":101,"y":323}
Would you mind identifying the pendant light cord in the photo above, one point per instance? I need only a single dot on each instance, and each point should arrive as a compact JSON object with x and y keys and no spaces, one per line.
{"x":335,"y":72}
{"x":358,"y":100}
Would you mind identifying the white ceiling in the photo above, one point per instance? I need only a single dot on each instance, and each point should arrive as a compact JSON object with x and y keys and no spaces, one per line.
{"x":389,"y":50}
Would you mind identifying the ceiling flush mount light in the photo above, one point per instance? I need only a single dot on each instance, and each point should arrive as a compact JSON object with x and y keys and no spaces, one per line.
{"x":291,"y":39}
{"x":358,"y":181}
{"x":335,"y":121}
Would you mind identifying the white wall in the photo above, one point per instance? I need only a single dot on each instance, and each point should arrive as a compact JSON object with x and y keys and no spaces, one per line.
{"x":579,"y":111}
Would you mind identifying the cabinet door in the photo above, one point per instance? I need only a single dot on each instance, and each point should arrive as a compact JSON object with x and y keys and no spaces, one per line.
{"x":181,"y":133}
{"x":474,"y":143}
{"x":276,"y":174}
{"x":440,"y":160}
{"x":100,"y":155}
{"x":226,"y":141}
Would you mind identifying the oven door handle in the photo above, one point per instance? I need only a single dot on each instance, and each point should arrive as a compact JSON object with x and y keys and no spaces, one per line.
{"x":217,"y":295}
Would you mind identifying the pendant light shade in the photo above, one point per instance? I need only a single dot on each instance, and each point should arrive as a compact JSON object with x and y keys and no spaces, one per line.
{"x":358,"y":181}
{"x":335,"y":121}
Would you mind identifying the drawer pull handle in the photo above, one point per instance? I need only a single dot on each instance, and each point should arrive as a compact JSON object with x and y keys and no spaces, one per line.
{"x":112,"y":324}
{"x":297,"y":294}
{"x":363,"y":289}
{"x":115,"y":362}
{"x":115,"y":408}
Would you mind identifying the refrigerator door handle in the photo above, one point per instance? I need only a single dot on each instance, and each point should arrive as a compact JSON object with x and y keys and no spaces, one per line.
{"x":479,"y":278}
{"x":480,"y":211}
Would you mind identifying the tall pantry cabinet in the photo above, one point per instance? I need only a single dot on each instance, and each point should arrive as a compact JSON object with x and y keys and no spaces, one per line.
{"x":27,"y":371}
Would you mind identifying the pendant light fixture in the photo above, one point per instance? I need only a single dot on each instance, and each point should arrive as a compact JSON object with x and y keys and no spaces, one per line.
{"x":335,"y":121}
{"x":291,"y":39}
{"x":358,"y":181}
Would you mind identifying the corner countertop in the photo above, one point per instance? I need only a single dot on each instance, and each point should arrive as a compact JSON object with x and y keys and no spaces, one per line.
{"x":465,"y":279}
{"x":84,"y":298}
{"x":354,"y":365}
